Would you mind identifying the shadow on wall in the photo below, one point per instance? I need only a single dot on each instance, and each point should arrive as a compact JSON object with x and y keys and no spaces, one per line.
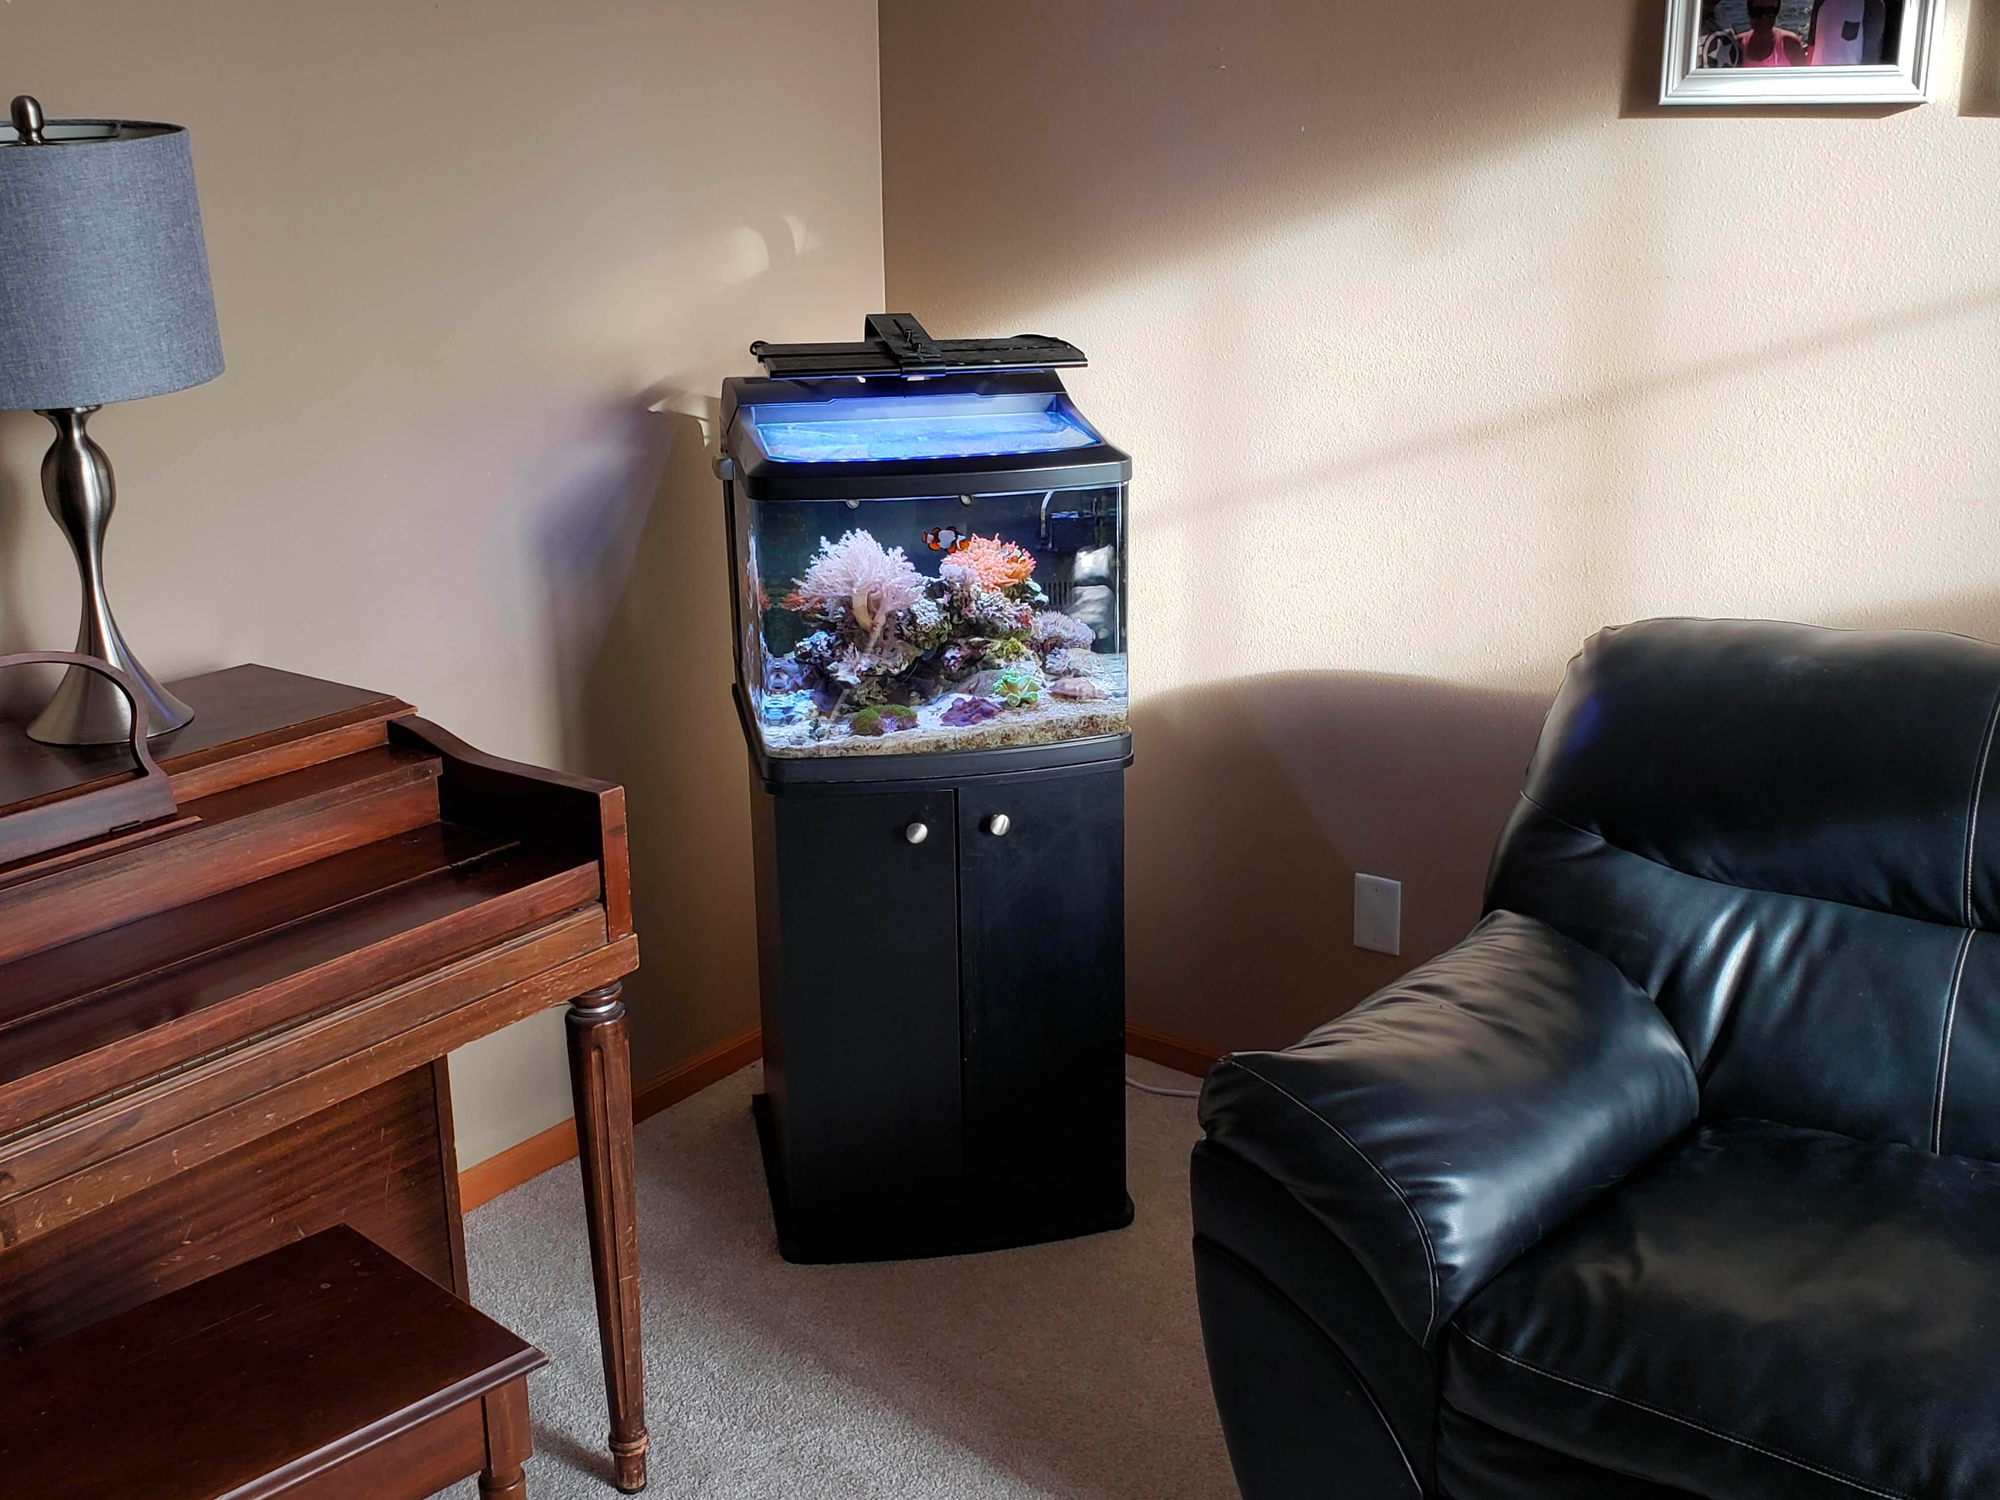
{"x":1255,"y":802}
{"x":642,"y":614}
{"x":1252,"y":805}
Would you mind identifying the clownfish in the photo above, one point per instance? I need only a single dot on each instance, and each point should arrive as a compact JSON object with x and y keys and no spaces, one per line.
{"x":945,"y":538}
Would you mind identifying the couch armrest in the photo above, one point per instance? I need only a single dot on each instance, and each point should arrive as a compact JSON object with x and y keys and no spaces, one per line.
{"x":1449,"y":1121}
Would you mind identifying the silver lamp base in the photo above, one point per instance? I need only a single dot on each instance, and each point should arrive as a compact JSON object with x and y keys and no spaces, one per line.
{"x":88,"y":709}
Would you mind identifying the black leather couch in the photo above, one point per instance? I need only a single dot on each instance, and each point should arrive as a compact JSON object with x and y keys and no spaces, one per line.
{"x":1677,"y":1177}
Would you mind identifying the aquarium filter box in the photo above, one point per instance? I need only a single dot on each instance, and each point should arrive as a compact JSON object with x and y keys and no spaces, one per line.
{"x":927,"y":558}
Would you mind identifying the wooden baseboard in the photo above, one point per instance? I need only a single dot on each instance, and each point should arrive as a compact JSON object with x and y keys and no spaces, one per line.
{"x":686,"y":1079}
{"x":1176,"y":1052}
{"x":484,"y":1181}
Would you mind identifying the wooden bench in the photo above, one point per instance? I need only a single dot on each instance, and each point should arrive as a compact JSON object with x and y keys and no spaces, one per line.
{"x":324,"y":1369}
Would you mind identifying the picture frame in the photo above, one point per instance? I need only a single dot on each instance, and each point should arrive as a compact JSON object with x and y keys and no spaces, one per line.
{"x":1713,"y":46}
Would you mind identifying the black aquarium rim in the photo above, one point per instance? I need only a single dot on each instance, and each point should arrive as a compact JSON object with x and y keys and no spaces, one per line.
{"x":1099,"y":467}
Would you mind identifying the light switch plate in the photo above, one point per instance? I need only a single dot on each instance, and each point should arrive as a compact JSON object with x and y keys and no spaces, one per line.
{"x":1378,"y":914}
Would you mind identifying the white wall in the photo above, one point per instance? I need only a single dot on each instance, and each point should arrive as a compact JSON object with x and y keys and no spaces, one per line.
{"x":457,"y":249}
{"x":1438,"y":346}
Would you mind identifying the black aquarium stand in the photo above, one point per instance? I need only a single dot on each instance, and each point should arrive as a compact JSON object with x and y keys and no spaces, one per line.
{"x":943,"y":992}
{"x":940,"y":931}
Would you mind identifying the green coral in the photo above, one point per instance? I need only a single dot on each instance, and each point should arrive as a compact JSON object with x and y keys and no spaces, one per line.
{"x":884,"y":719}
{"x":1017,"y":689}
{"x":1007,"y":649}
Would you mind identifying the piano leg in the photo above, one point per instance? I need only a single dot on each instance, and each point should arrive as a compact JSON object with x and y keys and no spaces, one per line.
{"x":600,"y":1070}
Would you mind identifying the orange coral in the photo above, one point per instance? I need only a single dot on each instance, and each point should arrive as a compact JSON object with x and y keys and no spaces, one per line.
{"x":994,"y":563}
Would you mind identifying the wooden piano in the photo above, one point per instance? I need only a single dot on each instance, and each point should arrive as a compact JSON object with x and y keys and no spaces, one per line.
{"x":229,"y":982}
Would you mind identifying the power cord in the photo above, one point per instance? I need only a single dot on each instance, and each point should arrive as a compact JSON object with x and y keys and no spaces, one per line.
{"x":1148,"y":1088}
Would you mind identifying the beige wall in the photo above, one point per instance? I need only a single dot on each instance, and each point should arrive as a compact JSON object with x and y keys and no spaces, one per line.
{"x":458,"y":247}
{"x":1439,"y":347}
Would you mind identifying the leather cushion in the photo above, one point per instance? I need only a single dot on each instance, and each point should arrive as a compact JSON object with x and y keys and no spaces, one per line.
{"x":1477,"y":1462}
{"x":1444,"y":1124}
{"x":1766,"y":1312}
{"x":1849,"y":765}
{"x":1811,"y":1012}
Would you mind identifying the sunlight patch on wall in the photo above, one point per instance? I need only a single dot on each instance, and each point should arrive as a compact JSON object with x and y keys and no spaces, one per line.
{"x":1451,"y":429}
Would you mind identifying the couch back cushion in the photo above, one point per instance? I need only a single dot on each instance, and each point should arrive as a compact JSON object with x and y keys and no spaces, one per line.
{"x":1790,"y":838}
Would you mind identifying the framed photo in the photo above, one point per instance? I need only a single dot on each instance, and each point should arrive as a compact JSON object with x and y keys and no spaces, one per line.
{"x":1799,"y":51}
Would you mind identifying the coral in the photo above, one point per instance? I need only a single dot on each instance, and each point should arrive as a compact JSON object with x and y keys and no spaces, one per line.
{"x":964,"y":656}
{"x":1008,"y":650}
{"x":1051,"y":629}
{"x":887,"y":658}
{"x":928,"y":625}
{"x":879,"y":619}
{"x":891,"y":638}
{"x":991,"y":612}
{"x":786,"y":708}
{"x":784,"y":674}
{"x":817,"y":649}
{"x":990,"y":562}
{"x":858,"y":578}
{"x":886,"y":719}
{"x":1017,"y":688}
{"x":966,"y":711}
{"x":979,"y":683}
{"x":859,"y":694}
{"x":1078,"y":689}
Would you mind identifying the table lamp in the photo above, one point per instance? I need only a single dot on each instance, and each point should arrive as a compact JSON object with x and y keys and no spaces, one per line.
{"x":104,"y":296}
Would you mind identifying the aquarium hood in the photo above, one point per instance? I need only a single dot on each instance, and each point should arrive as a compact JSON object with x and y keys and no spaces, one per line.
{"x":901,"y":414}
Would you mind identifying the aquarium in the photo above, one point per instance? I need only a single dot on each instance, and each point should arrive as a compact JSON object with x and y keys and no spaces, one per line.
{"x":924,"y":565}
{"x":940,"y":622}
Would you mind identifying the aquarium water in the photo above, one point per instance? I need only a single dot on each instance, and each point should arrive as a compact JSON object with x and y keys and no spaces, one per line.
{"x":938,"y":623}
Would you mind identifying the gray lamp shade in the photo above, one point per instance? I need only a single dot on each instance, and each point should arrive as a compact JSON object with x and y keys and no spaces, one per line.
{"x":104,"y":292}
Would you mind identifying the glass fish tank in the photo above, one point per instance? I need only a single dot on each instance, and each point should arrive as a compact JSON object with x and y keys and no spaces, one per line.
{"x":923,"y":563}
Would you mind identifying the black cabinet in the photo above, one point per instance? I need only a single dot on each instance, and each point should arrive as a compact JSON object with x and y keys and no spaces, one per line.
{"x":943,"y":993}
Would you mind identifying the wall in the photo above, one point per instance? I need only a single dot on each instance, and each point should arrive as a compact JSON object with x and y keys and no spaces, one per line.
{"x":458,"y":249}
{"x":1439,"y":346}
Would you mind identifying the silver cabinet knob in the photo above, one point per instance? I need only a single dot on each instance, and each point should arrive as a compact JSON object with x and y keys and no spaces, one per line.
{"x":916,"y":833}
{"x":998,"y":824}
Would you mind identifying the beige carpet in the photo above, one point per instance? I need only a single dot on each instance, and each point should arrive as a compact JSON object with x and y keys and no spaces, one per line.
{"x":1072,"y":1369}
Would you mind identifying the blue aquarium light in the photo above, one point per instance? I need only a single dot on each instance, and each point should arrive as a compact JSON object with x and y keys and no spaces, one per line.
{"x":873,"y":430}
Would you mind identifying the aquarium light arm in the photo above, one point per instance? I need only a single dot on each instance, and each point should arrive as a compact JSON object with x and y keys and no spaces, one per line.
{"x":907,"y":342}
{"x":897,"y":344}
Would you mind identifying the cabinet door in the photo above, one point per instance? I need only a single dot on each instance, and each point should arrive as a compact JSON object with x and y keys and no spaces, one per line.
{"x":1042,"y":973}
{"x":864,"y":1078}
